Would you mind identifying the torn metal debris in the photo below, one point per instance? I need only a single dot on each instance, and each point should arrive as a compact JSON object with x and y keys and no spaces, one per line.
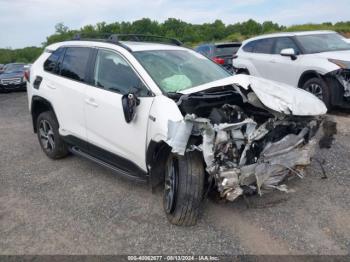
{"x":246,"y":146}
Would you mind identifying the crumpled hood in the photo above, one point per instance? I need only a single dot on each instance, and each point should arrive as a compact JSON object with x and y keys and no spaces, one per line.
{"x":274,"y":95}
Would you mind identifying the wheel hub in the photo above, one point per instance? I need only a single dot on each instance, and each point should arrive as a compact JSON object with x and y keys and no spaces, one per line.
{"x":46,"y":135}
{"x":316,"y":90}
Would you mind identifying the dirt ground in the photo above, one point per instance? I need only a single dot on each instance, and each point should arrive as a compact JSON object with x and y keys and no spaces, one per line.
{"x":73,"y":206}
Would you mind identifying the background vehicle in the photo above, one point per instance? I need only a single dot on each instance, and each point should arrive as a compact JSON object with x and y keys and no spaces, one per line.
{"x":1,"y":68}
{"x":318,"y":62}
{"x":144,"y":110}
{"x":221,"y":53}
{"x":13,"y":78}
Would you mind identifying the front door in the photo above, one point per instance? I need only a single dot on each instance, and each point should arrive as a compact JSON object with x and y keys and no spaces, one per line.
{"x":106,"y":127}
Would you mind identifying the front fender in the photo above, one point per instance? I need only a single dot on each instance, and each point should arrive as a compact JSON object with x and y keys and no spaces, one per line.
{"x":163,"y":109}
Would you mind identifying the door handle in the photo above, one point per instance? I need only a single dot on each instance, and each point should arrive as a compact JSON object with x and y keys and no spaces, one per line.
{"x":91,"y":102}
{"x":273,"y":61}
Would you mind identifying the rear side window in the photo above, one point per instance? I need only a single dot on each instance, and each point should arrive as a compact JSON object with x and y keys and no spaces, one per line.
{"x":51,"y":64}
{"x":264,"y":46}
{"x":75,"y":63}
{"x":249,"y":47}
{"x":284,"y":43}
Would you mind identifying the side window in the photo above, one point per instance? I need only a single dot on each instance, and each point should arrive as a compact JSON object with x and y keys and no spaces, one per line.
{"x":113,"y":73}
{"x":51,"y":63}
{"x":249,"y":47}
{"x":264,"y":46}
{"x":283,"y":43}
{"x":75,"y":62}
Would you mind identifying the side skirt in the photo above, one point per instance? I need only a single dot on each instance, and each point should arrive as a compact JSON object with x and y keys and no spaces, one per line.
{"x":106,"y":159}
{"x":76,"y":151}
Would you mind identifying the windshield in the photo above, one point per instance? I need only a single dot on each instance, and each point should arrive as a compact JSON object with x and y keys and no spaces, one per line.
{"x":176,"y":70}
{"x":323,"y":43}
{"x":14,"y":67}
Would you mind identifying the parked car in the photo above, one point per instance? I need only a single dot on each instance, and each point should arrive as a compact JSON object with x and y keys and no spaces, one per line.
{"x":165,"y":114}
{"x":221,"y":53}
{"x":317,"y":61}
{"x":12,"y":79}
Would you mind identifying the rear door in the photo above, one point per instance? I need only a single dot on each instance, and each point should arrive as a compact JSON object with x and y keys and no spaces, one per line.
{"x":261,"y":57}
{"x":113,"y":139}
{"x":66,"y":83}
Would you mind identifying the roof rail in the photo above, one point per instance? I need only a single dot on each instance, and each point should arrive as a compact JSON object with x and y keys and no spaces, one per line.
{"x":116,"y":38}
{"x":99,"y":37}
{"x":146,"y":38}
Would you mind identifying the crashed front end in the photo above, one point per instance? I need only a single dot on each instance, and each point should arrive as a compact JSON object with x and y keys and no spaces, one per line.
{"x":343,"y":78}
{"x":247,"y":147}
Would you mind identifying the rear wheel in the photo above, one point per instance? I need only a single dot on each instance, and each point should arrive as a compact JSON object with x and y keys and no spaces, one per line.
{"x":183,"y":188}
{"x":49,"y":138}
{"x":319,"y":88}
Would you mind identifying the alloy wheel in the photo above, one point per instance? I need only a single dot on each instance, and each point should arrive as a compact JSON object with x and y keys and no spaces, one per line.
{"x":316,"y":90}
{"x":171,"y":177}
{"x":46,"y":135}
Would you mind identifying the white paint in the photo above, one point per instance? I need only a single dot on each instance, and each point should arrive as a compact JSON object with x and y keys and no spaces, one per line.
{"x":276,"y":96}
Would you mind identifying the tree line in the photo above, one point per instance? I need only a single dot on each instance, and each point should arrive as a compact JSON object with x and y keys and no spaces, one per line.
{"x":190,"y":34}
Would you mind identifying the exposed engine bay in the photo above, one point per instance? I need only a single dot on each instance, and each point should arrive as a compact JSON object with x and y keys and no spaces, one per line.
{"x":247,"y":147}
{"x":343,"y":76}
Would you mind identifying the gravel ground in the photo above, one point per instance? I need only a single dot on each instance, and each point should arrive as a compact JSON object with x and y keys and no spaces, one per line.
{"x":73,"y":206}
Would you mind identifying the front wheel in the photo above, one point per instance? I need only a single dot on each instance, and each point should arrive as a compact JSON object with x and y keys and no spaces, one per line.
{"x":183,"y":188}
{"x":319,"y":88}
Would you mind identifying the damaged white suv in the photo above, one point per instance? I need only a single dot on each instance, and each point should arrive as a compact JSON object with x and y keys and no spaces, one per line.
{"x":165,"y":114}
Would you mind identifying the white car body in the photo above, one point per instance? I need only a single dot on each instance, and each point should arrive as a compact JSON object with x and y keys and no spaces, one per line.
{"x":93,"y":107}
{"x":286,"y":70}
{"x":89,"y":117}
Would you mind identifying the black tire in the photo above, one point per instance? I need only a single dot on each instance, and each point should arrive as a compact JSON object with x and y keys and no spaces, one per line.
{"x":188,"y":190}
{"x":319,"y":88}
{"x":56,"y":150}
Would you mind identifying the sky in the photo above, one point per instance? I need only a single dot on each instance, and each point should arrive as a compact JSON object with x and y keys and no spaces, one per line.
{"x":28,"y":22}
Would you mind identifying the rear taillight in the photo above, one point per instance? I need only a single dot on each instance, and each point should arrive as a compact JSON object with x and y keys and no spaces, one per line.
{"x":27,"y":75}
{"x":219,"y":60}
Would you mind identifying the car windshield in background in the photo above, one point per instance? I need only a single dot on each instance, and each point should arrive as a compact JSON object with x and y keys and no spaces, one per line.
{"x":323,"y":43}
{"x":225,"y":50}
{"x":14,"y":68}
{"x":176,"y":70}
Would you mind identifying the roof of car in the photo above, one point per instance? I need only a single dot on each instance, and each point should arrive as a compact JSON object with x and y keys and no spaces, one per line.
{"x":133,"y":46}
{"x":291,"y":34}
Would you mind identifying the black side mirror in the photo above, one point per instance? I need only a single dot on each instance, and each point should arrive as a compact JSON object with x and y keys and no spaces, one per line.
{"x":129,"y":103}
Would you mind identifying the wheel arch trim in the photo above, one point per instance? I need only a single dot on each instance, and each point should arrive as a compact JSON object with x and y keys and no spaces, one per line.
{"x":39,"y":105}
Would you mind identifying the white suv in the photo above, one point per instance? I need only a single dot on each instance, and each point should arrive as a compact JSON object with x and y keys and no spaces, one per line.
{"x":317,"y":61}
{"x":163,"y":113}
